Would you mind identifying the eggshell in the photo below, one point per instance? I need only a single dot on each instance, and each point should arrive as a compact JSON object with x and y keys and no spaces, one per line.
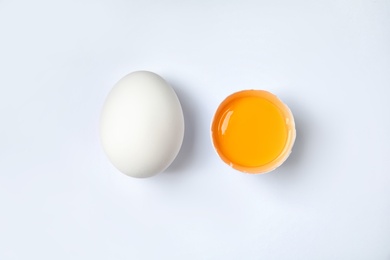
{"x":142,"y":124}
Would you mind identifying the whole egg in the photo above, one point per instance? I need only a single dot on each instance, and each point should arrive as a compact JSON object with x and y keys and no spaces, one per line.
{"x":142,"y":124}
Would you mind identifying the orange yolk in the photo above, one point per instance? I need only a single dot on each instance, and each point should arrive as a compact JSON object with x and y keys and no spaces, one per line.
{"x":253,"y":131}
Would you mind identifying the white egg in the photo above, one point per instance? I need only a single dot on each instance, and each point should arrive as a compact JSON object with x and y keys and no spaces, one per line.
{"x":142,"y":124}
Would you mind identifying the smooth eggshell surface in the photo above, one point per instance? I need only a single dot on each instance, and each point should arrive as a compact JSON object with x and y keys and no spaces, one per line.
{"x":142,"y":125}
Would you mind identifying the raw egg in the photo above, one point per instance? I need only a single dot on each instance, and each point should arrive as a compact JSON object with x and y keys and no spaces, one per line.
{"x":142,"y":124}
{"x":253,"y":131}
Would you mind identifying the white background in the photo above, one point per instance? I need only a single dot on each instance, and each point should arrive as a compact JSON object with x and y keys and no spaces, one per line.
{"x":60,"y":198}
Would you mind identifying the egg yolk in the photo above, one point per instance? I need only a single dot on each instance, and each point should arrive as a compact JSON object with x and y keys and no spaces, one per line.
{"x":253,"y":131}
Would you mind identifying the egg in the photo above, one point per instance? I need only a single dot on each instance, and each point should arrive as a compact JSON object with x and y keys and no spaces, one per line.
{"x":142,"y":125}
{"x":253,"y":131}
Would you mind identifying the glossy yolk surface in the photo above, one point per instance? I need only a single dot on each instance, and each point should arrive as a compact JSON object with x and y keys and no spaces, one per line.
{"x":251,"y":131}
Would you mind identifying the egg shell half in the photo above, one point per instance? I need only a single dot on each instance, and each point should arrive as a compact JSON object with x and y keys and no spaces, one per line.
{"x":142,"y":124}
